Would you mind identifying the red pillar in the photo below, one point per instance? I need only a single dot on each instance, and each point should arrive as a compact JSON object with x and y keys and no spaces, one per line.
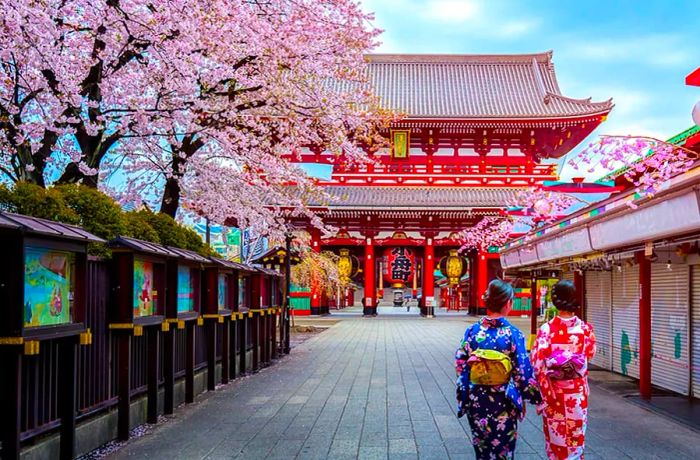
{"x":369,"y":306}
{"x":644,"y":326}
{"x":315,"y":289}
{"x":428,"y":278}
{"x":350,"y":298}
{"x":534,"y":305}
{"x":580,"y":285}
{"x":482,"y":277}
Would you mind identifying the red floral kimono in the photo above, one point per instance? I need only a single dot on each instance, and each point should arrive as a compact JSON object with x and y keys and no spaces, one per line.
{"x":560,"y":359}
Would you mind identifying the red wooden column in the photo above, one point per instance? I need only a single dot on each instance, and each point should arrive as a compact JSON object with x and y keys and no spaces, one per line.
{"x":350,"y":298}
{"x":482,"y":278}
{"x":428,"y":278}
{"x":315,"y":289}
{"x":369,"y":307}
{"x":580,"y":285}
{"x":534,"y":307}
{"x":644,"y":326}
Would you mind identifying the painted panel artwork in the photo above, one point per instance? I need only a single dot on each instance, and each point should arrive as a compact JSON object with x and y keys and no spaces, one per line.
{"x":185,"y":290}
{"x":223,"y":292}
{"x":144,"y":292}
{"x":49,"y":285}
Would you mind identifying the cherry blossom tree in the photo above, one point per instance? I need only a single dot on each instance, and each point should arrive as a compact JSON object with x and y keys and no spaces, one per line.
{"x":644,"y":161}
{"x":77,"y":77}
{"x":542,"y":205}
{"x":298,"y":79}
{"x":201,"y":97}
{"x":489,"y":231}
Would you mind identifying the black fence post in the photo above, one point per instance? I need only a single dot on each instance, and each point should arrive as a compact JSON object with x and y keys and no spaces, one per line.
{"x":67,"y":377}
{"x":287,"y":284}
{"x":244,"y":344}
{"x":211,"y":354}
{"x":10,"y":400}
{"x":123,"y":339}
{"x":169,"y":370}
{"x":225,"y":349}
{"x":233,"y":343}
{"x":153,"y":340}
{"x":189,"y":361}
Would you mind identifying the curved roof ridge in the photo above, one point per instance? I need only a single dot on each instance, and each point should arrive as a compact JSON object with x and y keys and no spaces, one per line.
{"x":416,"y":58}
{"x":608,"y":103}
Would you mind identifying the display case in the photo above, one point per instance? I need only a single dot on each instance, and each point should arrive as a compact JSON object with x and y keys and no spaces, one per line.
{"x":42,"y":280}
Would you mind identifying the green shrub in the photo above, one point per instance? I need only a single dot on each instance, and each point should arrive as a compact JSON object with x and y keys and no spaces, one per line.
{"x":99,"y":214}
{"x":170,"y":233}
{"x":33,"y":200}
{"x":136,"y":226}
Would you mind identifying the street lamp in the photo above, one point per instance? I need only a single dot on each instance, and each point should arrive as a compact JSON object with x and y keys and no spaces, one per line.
{"x":285,"y":327}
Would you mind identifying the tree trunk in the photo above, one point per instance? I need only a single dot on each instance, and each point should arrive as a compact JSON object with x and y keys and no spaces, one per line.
{"x":73,"y":175}
{"x":171,"y":197}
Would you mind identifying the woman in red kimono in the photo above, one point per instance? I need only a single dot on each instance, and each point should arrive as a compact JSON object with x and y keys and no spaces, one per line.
{"x":560,"y":358}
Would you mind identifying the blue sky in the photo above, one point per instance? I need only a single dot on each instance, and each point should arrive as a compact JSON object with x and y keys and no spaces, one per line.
{"x":637,"y":52}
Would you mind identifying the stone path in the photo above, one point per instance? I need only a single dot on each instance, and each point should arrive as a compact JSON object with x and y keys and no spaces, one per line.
{"x":379,"y":388}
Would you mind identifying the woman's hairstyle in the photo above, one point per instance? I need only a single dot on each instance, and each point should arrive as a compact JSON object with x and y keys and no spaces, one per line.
{"x":564,"y":296}
{"x":497,"y":295}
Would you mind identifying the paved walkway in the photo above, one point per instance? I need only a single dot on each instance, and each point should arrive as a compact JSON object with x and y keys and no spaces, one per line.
{"x":379,"y":388}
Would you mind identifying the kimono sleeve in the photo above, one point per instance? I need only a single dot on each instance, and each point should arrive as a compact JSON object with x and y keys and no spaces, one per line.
{"x":589,"y":342}
{"x":523,"y":375}
{"x":462,"y":368}
{"x":540,"y":352}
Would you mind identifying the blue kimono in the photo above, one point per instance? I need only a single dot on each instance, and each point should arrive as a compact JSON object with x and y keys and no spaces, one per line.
{"x":493,"y":411}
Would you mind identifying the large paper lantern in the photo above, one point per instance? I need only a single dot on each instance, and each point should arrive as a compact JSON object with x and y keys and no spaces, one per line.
{"x":453,"y":267}
{"x":347,"y":265}
{"x":399,"y":267}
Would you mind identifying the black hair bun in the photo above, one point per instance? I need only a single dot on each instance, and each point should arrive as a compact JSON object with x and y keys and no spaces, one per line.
{"x":497,"y":295}
{"x":564,"y":296}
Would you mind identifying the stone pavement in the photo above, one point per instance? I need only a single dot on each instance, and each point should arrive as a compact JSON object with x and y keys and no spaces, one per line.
{"x":379,"y":388}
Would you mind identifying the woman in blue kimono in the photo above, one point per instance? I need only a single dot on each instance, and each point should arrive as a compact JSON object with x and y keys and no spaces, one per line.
{"x":494,"y":376}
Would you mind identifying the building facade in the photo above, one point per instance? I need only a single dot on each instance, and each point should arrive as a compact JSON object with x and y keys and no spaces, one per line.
{"x":474,"y":130}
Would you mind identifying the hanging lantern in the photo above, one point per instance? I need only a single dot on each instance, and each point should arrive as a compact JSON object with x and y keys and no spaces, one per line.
{"x":543,"y":207}
{"x":453,"y":267}
{"x":696,"y":113}
{"x":399,"y":266}
{"x":347,"y":265}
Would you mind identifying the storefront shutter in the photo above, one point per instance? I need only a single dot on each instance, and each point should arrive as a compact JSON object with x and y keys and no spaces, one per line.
{"x":669,"y":327}
{"x":695,"y":328}
{"x":598,"y":313}
{"x":625,"y":322}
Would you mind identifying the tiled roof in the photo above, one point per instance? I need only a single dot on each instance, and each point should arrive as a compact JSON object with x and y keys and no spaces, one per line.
{"x":474,"y":87}
{"x":37,"y":226}
{"x":437,"y":198}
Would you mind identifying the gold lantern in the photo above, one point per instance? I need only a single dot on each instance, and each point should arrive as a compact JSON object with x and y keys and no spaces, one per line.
{"x":347,"y":265}
{"x":453,"y":267}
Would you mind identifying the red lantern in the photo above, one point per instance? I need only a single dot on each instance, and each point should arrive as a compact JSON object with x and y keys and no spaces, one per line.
{"x":399,"y":266}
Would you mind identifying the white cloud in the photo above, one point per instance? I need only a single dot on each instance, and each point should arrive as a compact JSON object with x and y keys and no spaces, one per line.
{"x":451,"y":11}
{"x":516,"y":28}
